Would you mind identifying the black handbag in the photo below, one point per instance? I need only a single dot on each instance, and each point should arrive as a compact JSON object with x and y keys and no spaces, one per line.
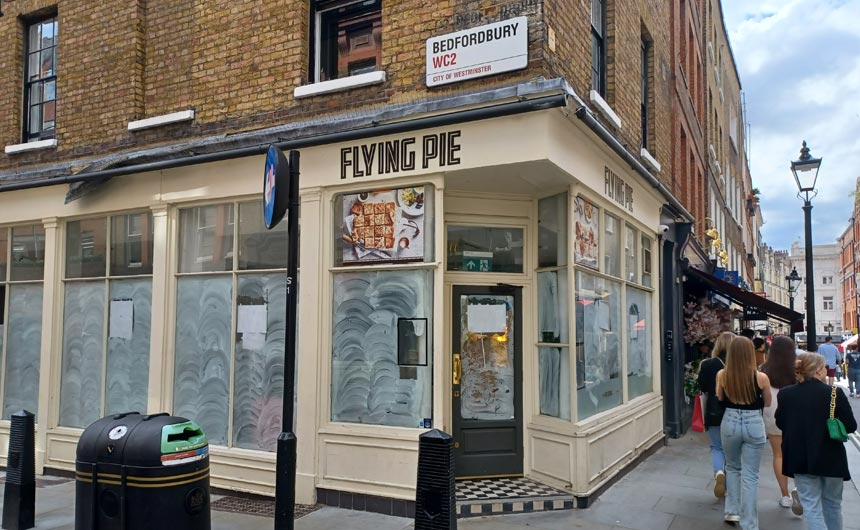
{"x":714,"y":408}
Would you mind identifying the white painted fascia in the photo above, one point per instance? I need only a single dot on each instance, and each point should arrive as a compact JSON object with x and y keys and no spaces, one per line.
{"x":605,"y":109}
{"x":164,"y":119}
{"x":340,"y":84}
{"x":650,"y":160}
{"x":30,"y":146}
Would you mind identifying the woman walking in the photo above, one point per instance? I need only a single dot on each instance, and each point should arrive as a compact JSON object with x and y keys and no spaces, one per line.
{"x":745,"y":392}
{"x":817,"y":462}
{"x":713,"y":408}
{"x":780,"y":370}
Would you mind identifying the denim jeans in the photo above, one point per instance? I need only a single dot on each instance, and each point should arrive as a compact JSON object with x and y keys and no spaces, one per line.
{"x":743,"y":439}
{"x":854,"y":380}
{"x":821,"y":498}
{"x":718,"y":458}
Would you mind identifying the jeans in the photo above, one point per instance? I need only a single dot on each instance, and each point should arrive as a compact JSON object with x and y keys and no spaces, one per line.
{"x":821,"y":498}
{"x":718,"y":458}
{"x":854,"y":380}
{"x":743,"y":439}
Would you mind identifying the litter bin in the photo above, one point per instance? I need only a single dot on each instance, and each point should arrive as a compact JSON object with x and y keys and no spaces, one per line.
{"x":142,"y":472}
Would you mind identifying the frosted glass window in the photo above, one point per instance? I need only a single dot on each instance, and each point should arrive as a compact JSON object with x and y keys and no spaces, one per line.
{"x":555,"y":382}
{"x":23,"y":348}
{"x":631,"y":263}
{"x":552,"y":231}
{"x":127,"y":371}
{"x":367,"y":384}
{"x":131,"y":244}
{"x":260,"y":248}
{"x":201,"y":385}
{"x":612,"y":248}
{"x":552,"y":306}
{"x":639,"y":328}
{"x":598,"y":344}
{"x":206,"y":238}
{"x":83,"y":348}
{"x":28,"y":253}
{"x":86,"y":241}
{"x":258,"y":389}
{"x":646,"y":261}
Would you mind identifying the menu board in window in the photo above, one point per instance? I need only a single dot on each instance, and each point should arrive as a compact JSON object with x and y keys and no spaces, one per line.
{"x":384,"y":226}
{"x":587,"y":235}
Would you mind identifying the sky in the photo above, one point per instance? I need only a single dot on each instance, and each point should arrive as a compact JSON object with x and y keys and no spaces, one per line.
{"x":799,"y":65}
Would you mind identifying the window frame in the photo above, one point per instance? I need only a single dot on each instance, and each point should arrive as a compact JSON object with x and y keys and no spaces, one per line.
{"x":598,"y":49}
{"x":318,"y":8}
{"x":28,"y":83}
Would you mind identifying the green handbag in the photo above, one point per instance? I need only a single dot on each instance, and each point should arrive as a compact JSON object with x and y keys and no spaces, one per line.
{"x":835,"y":427}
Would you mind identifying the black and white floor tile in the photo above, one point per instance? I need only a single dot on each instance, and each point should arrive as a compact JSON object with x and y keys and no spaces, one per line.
{"x":508,"y":495}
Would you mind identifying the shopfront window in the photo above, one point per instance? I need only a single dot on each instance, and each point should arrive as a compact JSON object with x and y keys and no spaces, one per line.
{"x":612,"y":249}
{"x":552,"y":231}
{"x":230,"y":324}
{"x":630,"y":252}
{"x":646,"y":261}
{"x":639,"y":335}
{"x":485,"y":249}
{"x":106,"y":318}
{"x":22,"y":258}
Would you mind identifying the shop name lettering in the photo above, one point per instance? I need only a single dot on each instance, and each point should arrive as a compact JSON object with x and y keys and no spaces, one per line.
{"x":392,"y":156}
{"x":617,"y":190}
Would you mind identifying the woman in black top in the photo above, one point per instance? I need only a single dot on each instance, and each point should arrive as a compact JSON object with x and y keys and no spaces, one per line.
{"x":713,"y":408}
{"x":817,"y":462}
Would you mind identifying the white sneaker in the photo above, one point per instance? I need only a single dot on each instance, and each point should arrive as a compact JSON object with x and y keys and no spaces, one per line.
{"x":731,"y":519}
{"x":720,"y":485}
{"x":796,"y":507}
{"x":785,"y":502}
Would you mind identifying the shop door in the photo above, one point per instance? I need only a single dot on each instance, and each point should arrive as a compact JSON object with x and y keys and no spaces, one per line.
{"x":487,"y":381}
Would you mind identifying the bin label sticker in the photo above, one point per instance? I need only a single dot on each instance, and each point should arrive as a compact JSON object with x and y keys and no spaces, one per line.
{"x":117,"y":432}
{"x":184,"y":458}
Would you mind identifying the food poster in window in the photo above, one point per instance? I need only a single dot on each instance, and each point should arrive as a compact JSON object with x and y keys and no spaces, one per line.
{"x":384,"y":225}
{"x":587,"y":235}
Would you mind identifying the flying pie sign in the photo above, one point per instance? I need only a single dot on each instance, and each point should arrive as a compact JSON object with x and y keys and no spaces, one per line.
{"x":478,"y":52}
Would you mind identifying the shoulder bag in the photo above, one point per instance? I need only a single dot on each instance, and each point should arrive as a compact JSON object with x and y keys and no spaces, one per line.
{"x":835,"y":427}
{"x":714,"y":408}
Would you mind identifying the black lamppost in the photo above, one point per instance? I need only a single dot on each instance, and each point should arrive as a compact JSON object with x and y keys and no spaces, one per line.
{"x":805,"y":171}
{"x":793,"y":280}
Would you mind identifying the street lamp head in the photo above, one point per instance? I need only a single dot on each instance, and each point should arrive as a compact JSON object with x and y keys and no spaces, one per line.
{"x":793,"y":281}
{"x":805,"y":170}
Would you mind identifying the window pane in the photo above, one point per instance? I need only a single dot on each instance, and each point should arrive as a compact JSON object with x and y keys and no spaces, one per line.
{"x":49,"y":115}
{"x":46,"y":69}
{"x":646,"y":261}
{"x":598,"y":348}
{"x":83,"y":346}
{"x":33,"y":69}
{"x":50,"y":93}
{"x":35,"y":37}
{"x":555,"y":382}
{"x":350,"y":39}
{"x":632,"y":263}
{"x":258,"y":388}
{"x":201,"y":385}
{"x":4,"y":252}
{"x":638,"y":342}
{"x":206,"y":238}
{"x":552,"y":231}
{"x":35,"y":125}
{"x":368,"y":386}
{"x":552,"y":306}
{"x":260,"y":248}
{"x":127,"y":371}
{"x":28,"y":253}
{"x":485,"y":249}
{"x":85,"y":248}
{"x":612,"y":248}
{"x":23,"y":349}
{"x":131,"y":244}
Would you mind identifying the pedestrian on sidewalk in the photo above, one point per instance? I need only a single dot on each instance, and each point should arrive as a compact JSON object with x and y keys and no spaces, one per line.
{"x":852,"y":359}
{"x":831,"y":356}
{"x":713,"y":410}
{"x":780,"y":369}
{"x":760,"y":351}
{"x":745,"y":392}
{"x":817,"y":462}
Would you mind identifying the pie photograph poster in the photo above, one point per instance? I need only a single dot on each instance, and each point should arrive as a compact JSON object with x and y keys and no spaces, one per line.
{"x":384,"y":225}
{"x":587,"y":235}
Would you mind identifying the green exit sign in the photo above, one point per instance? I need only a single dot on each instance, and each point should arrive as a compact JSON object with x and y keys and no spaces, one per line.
{"x":477,"y":261}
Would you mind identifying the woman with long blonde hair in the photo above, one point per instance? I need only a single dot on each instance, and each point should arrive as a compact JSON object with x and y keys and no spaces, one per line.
{"x":713,"y":410}
{"x":745,"y":392}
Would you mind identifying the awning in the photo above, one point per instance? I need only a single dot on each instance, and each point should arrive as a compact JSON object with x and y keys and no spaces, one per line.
{"x":750,"y":301}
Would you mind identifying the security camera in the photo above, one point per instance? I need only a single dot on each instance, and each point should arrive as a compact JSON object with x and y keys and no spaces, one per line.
{"x":664,"y":229}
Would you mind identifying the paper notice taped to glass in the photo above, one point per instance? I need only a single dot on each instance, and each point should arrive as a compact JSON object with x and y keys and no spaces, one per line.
{"x":252,"y":319}
{"x":481,"y":318}
{"x":121,"y":319}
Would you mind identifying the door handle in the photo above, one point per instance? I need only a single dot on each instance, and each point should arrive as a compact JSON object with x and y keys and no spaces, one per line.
{"x":457,"y":369}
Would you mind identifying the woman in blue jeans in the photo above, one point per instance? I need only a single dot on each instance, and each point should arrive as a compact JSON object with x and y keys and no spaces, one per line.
{"x":713,"y":412}
{"x":745,"y":392}
{"x":817,"y":462}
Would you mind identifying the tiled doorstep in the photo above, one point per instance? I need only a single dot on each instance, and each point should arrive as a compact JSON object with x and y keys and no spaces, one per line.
{"x":482,"y":508}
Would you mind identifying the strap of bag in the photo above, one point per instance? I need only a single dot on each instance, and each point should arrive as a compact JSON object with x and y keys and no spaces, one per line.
{"x":832,"y":400}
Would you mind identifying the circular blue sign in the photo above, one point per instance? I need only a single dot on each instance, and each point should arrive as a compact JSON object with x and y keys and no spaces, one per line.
{"x":276,"y":186}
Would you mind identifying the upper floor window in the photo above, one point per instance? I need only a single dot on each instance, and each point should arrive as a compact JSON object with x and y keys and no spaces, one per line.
{"x":347,"y":38}
{"x":598,"y":47}
{"x":828,"y":303}
{"x":827,"y":280}
{"x":40,"y":80}
{"x":646,"y":86}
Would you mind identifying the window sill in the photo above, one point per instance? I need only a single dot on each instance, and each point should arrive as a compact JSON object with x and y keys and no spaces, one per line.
{"x":650,"y":160}
{"x":157,"y":121}
{"x":605,"y":109}
{"x":337,"y":85}
{"x":30,"y":146}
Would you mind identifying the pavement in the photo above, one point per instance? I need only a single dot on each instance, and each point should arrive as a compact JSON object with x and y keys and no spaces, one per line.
{"x":671,"y":490}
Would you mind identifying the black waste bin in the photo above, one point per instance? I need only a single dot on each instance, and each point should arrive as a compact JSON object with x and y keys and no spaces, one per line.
{"x":142,"y":472}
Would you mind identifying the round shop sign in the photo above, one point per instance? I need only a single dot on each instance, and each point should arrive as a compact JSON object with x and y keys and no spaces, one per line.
{"x":117,"y":432}
{"x":276,"y":186}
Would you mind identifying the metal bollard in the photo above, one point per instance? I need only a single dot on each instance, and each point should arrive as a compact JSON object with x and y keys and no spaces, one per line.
{"x":19,"y":498}
{"x":435,"y":496}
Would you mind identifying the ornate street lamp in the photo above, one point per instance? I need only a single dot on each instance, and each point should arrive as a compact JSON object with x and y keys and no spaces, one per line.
{"x":793,"y":280}
{"x":805,"y":171}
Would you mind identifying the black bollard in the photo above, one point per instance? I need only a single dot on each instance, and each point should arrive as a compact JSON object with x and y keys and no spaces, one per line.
{"x":19,"y":499}
{"x":435,"y":496}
